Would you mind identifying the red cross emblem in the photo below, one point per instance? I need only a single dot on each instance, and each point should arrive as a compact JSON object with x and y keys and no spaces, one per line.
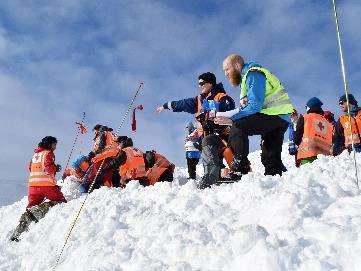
{"x":36,"y":158}
{"x":321,"y":126}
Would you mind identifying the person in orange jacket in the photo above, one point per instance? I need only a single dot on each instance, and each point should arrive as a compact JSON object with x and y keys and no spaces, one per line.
{"x":313,"y":133}
{"x":42,"y":167}
{"x":149,"y":167}
{"x":42,"y":185}
{"x":348,"y":135}
{"x":78,"y":166}
{"x":103,"y":138}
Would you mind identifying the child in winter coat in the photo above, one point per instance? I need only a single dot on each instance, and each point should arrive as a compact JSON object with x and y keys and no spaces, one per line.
{"x":192,"y":146}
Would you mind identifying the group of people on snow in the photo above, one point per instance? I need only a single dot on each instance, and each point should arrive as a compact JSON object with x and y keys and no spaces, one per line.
{"x":113,"y":162}
{"x":220,"y":132}
{"x":317,"y":132}
{"x":264,"y":109}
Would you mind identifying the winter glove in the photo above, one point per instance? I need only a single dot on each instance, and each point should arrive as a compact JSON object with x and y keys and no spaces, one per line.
{"x":91,"y":155}
{"x":197,"y":145}
{"x":292,"y":148}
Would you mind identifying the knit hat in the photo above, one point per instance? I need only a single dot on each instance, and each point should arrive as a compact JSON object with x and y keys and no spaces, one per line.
{"x":351,"y":99}
{"x":314,"y":103}
{"x":208,"y":77}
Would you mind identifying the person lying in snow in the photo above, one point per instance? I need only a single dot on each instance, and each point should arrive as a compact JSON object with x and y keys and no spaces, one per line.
{"x":78,"y":166}
{"x":122,"y":163}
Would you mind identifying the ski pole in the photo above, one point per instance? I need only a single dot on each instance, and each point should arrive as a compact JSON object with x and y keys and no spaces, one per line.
{"x":93,"y":182}
{"x":77,"y":215}
{"x":345,"y":88}
{"x":74,"y":143}
{"x":141,"y":84}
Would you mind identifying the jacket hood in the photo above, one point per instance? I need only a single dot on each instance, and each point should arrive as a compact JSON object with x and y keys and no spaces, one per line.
{"x":218,"y":88}
{"x":248,"y":65}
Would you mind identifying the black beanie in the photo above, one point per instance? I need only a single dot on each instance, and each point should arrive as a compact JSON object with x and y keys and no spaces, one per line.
{"x":208,"y":77}
{"x":351,"y":99}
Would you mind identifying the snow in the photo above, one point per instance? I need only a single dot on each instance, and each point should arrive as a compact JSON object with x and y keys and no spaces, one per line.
{"x":308,"y":219}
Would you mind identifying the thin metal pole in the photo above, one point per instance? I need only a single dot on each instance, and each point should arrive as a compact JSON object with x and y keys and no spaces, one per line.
{"x":141,"y":84}
{"x":92,"y":184}
{"x":74,"y":143}
{"x":345,"y":84}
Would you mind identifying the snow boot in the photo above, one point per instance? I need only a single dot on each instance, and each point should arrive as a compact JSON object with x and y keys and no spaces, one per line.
{"x":239,"y":168}
{"x":33,"y":214}
{"x":211,"y":176}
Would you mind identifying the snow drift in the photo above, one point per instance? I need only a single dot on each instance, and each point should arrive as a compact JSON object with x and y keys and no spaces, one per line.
{"x":308,"y":219}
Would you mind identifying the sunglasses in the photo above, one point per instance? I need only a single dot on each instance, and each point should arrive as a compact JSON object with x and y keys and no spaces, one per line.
{"x":202,"y":83}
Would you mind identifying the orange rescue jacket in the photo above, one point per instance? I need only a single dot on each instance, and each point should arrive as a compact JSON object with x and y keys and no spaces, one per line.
{"x":355,"y":132}
{"x":317,"y":136}
{"x":161,"y":164}
{"x":134,"y":166}
{"x":38,"y":175}
{"x":110,"y":139}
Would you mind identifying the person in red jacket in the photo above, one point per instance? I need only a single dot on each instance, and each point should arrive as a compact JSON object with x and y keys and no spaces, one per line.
{"x":42,"y":185}
{"x":42,"y":167}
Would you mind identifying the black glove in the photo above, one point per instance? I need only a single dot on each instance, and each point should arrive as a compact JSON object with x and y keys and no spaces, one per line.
{"x":91,"y":155}
{"x":58,"y":168}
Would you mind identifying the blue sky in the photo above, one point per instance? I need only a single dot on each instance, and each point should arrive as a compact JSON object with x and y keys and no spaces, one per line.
{"x":59,"y":58}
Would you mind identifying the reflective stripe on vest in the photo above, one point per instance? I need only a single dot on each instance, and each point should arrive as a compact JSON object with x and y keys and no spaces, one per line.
{"x":353,"y":134}
{"x":38,"y":176}
{"x":161,"y":164}
{"x":134,"y":167}
{"x":317,"y":136}
{"x":277,"y":101}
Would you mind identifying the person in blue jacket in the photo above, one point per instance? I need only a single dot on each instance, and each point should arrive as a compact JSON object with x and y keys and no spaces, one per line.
{"x":212,"y":98}
{"x":264,"y":110}
{"x":192,"y":146}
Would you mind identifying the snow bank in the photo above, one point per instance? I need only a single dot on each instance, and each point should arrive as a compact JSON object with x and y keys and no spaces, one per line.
{"x":308,"y":219}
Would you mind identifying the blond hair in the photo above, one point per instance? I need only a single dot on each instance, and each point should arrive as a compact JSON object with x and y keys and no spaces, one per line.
{"x":234,"y":59}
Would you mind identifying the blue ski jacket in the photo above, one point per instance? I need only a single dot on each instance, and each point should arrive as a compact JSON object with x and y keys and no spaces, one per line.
{"x":190,"y":105}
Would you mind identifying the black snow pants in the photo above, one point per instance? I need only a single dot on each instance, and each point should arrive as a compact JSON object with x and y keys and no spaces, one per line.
{"x":271,"y":129}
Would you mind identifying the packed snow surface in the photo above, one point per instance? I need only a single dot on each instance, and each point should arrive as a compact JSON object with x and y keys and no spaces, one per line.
{"x":308,"y":219}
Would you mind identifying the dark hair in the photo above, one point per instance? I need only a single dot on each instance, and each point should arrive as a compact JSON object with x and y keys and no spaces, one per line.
{"x":106,"y":128}
{"x":97,"y":127}
{"x":100,"y":127}
{"x":127,"y":141}
{"x":47,"y":141}
{"x":208,"y":77}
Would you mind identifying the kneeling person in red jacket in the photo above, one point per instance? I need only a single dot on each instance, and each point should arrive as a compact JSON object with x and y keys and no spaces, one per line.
{"x":42,"y":167}
{"x":42,"y":185}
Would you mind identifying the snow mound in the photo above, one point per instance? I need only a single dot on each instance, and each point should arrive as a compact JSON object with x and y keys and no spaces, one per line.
{"x":308,"y":219}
